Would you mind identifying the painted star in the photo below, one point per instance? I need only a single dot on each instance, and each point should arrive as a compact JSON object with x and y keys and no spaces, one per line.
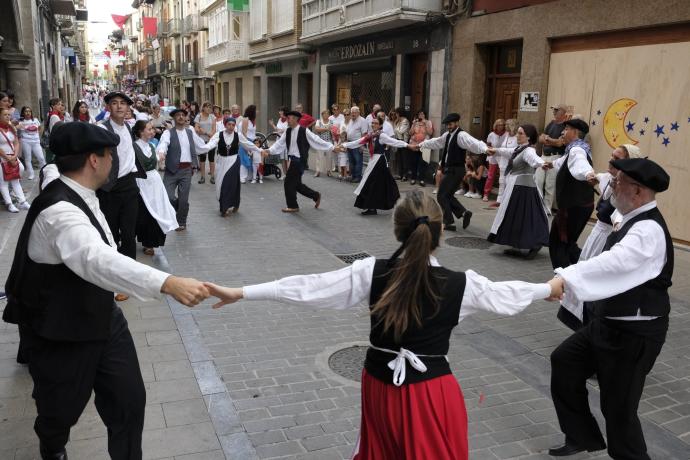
{"x":646,"y":119}
{"x":674,"y":126}
{"x":666,"y":142}
{"x":642,"y":132}
{"x":659,"y":130}
{"x":688,"y":119}
{"x":630,"y":126}
{"x":594,"y":122}
{"x":598,"y":112}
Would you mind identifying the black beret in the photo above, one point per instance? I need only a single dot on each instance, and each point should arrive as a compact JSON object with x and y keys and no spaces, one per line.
{"x":644,"y":171}
{"x":577,"y":124}
{"x":451,"y":117}
{"x":294,"y":113}
{"x":176,"y":111}
{"x":113,"y":94}
{"x":77,"y":137}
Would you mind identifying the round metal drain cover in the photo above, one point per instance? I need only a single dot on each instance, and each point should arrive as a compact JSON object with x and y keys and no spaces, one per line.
{"x":468,"y":242}
{"x":348,"y":362}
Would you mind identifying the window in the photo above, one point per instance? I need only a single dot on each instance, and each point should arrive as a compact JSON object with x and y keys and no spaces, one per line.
{"x":259,"y":18}
{"x":218,"y":27}
{"x":282,"y":15}
{"x":236,"y":27}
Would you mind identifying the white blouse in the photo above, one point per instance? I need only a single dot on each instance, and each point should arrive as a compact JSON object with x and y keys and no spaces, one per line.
{"x":384,"y":139}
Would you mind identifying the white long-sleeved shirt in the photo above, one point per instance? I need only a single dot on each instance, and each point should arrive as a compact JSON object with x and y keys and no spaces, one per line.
{"x":125,"y":149}
{"x":577,"y":163}
{"x":62,"y":233}
{"x":292,"y":150}
{"x":229,"y":137}
{"x":185,"y":150}
{"x":637,"y":258}
{"x":465,"y":141}
{"x":351,"y":285}
{"x":529,"y":155}
{"x":384,"y":139}
{"x":356,"y":129}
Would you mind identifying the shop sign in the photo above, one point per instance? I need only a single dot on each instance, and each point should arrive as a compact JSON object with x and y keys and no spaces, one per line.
{"x":374,"y":48}
{"x":274,"y":67}
{"x":529,"y":101}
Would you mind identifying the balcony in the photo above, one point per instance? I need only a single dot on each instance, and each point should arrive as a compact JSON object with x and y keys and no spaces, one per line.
{"x":163,"y":67}
{"x":203,"y":73}
{"x":141,"y":75}
{"x":152,"y":69}
{"x":193,"y":24}
{"x":331,"y":20}
{"x":66,"y":24}
{"x":190,"y":69}
{"x":204,"y":5}
{"x":233,"y":53}
{"x":162,"y":29}
{"x":173,"y":67}
{"x":174,"y":27}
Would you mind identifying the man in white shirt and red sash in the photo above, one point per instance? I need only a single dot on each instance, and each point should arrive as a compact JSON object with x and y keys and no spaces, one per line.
{"x":75,"y":337}
{"x":628,"y":287}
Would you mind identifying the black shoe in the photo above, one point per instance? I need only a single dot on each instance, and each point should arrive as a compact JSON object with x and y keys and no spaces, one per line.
{"x":412,"y":182}
{"x":3,"y":296}
{"x":450,"y":227}
{"x":369,"y":212}
{"x":202,"y":180}
{"x":45,"y":455}
{"x":466,"y":219}
{"x":571,"y":449}
{"x":421,"y":183}
{"x":532,"y":253}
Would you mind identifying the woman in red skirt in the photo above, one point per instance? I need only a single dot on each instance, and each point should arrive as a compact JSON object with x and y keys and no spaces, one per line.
{"x":412,"y":406}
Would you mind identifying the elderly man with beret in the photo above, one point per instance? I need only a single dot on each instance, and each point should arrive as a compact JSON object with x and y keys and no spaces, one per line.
{"x":628,"y":287}
{"x":455,"y":143}
{"x":75,"y":337}
{"x":574,"y":194}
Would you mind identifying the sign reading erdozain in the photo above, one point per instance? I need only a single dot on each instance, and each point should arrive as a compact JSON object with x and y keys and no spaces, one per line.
{"x":374,"y":48}
{"x":359,"y":50}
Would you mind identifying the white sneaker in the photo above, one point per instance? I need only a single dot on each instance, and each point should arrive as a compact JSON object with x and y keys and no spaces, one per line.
{"x":476,"y":195}
{"x":243,"y":182}
{"x":25,"y":205}
{"x":462,"y":191}
{"x":261,"y":181}
{"x":282,"y":178}
{"x":253,"y":181}
{"x":12,"y":208}
{"x":468,"y":195}
{"x":30,"y":178}
{"x":435,"y":191}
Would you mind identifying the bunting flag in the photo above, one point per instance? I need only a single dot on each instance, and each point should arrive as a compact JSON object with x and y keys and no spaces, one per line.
{"x":107,"y":53}
{"x":150,"y":26}
{"x":95,"y":73}
{"x":106,"y":66}
{"x":238,"y":6}
{"x":119,"y":20}
{"x":121,"y":53}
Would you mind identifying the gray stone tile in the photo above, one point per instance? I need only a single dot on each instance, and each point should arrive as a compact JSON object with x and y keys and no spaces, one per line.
{"x":173,"y":370}
{"x":172,"y":390}
{"x":163,"y":337}
{"x":185,"y":412}
{"x":180,"y":440}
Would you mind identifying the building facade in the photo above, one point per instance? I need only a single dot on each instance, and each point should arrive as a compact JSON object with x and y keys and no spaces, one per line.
{"x":618,"y":71}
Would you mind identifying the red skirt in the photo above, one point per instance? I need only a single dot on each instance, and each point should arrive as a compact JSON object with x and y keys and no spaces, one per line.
{"x":422,"y":420}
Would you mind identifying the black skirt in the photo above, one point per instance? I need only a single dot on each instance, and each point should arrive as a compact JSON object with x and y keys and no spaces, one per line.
{"x":230,"y":188}
{"x":524,"y":225}
{"x":380,"y":190}
{"x":148,"y":232}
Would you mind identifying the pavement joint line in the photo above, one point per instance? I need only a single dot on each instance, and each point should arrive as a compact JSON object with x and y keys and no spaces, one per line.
{"x":209,"y":373}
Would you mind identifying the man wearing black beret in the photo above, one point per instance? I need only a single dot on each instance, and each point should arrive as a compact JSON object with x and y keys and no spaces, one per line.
{"x":574,"y":194}
{"x":455,"y":142}
{"x":627,"y":285}
{"x":75,"y":337}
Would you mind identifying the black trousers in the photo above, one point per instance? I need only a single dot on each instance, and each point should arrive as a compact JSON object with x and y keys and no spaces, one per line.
{"x":120,"y":206}
{"x":65,"y":374}
{"x":293,"y":184}
{"x":621,"y":354}
{"x":566,"y":228}
{"x":452,"y":177}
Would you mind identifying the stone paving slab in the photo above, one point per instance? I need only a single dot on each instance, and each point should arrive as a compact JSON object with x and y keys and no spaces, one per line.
{"x":244,"y":382}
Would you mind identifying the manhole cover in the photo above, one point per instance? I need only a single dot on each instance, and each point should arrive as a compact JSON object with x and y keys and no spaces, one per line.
{"x":468,"y":242}
{"x":350,"y":258}
{"x":348,"y":362}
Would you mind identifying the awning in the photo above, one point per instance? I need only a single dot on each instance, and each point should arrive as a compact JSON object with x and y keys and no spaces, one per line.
{"x":65,"y":7}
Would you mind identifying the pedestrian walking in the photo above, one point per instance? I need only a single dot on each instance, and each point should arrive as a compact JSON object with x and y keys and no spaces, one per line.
{"x":296,"y":142}
{"x":357,"y":128}
{"x":180,"y":146}
{"x":76,"y":337}
{"x":205,"y":124}
{"x":412,"y":405}
{"x":495,"y":139}
{"x":322,"y":128}
{"x":80,"y":112}
{"x":29,"y":128}
{"x":155,"y":216}
{"x":10,"y":151}
{"x":455,"y":143}
{"x":628,"y":285}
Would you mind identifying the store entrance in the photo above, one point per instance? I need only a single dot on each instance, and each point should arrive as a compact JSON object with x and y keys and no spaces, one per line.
{"x":419,"y":68}
{"x":364,"y":89}
{"x":279,"y":95}
{"x":502,"y":83}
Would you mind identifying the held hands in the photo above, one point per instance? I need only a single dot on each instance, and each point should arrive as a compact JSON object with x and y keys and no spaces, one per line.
{"x":413,"y":146}
{"x":265,"y":153}
{"x":592,"y":178}
{"x":547,"y":165}
{"x":491,"y":151}
{"x":187,"y":291}
{"x":225,"y":294}
{"x":557,"y":288}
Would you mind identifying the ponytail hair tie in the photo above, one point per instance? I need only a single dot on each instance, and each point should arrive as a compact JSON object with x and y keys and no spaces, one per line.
{"x":420,"y":220}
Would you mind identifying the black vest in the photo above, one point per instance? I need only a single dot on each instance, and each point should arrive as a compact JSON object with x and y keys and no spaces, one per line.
{"x":226,"y":151}
{"x":379,"y":148}
{"x":115,"y":169}
{"x":51,"y":299}
{"x":453,"y":155}
{"x":605,"y":208}
{"x":302,"y":142}
{"x":571,"y":192}
{"x":651,"y":297}
{"x":432,"y":338}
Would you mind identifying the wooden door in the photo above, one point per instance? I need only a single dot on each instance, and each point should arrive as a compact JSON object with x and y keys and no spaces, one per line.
{"x":507,"y":94}
{"x":418,"y":87}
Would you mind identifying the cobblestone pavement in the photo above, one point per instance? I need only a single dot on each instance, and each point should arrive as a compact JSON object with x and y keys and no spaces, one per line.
{"x":252,"y":380}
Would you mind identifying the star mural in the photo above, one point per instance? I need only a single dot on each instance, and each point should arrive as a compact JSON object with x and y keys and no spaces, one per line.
{"x":630,"y":126}
{"x":659,"y":130}
{"x":642,"y":131}
{"x":646,"y":119}
{"x":666,"y":141}
{"x":674,"y":126}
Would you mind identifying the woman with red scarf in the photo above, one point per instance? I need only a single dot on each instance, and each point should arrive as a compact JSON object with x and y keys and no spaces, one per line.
{"x":29,"y":133}
{"x":80,"y":112}
{"x":378,"y":189}
{"x":10,"y":152}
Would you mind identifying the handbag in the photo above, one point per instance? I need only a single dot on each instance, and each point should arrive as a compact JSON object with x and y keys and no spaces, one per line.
{"x":10,"y":171}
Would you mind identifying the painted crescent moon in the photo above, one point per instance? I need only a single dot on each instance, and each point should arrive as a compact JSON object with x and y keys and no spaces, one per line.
{"x":614,"y":123}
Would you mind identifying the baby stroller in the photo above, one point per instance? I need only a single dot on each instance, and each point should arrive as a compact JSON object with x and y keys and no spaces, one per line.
{"x":271,"y":162}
